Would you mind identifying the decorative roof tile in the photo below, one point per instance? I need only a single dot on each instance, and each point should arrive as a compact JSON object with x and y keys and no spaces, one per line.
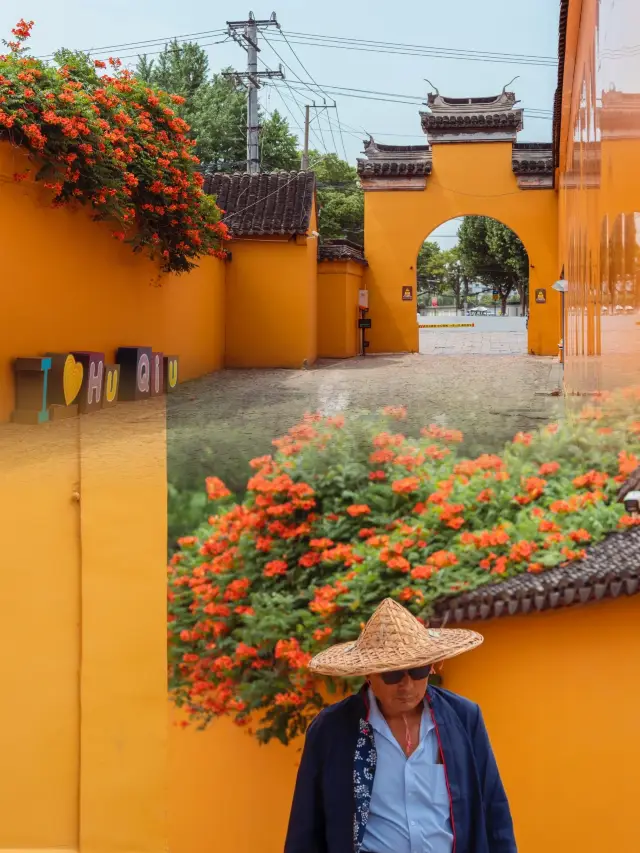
{"x":492,"y":119}
{"x":393,"y":168}
{"x":408,"y":164}
{"x":610,"y":569}
{"x":557,"y":102}
{"x":341,"y":250}
{"x":264,"y":204}
{"x":480,"y":120}
{"x":532,"y":157}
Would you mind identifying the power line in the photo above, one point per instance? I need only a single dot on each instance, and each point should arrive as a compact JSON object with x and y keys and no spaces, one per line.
{"x":409,"y":100}
{"x":312,"y":78}
{"x":420,"y":50}
{"x":143,"y":43}
{"x":551,"y":59}
{"x":287,"y":66}
{"x":296,"y":102}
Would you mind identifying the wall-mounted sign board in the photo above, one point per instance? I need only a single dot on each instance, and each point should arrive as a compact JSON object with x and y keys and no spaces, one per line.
{"x":365,"y":323}
{"x":407,"y":293}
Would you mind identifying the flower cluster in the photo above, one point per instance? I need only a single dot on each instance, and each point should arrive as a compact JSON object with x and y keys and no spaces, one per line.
{"x":343,"y":515}
{"x":106,"y":140}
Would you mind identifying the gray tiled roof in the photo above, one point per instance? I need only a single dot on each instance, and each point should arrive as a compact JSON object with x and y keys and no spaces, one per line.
{"x":610,"y":569}
{"x":394,"y":168}
{"x":446,"y":121}
{"x":341,"y":250}
{"x":532,"y":158}
{"x":264,"y":204}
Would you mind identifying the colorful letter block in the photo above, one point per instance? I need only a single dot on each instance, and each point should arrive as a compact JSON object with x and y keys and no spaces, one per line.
{"x":90,"y":397}
{"x":32,"y":379}
{"x":157,"y":374}
{"x":111,"y":386}
{"x":170,"y":373}
{"x":135,"y":372}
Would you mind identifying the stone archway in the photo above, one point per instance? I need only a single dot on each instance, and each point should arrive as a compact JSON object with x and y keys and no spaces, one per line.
{"x":472,"y":165}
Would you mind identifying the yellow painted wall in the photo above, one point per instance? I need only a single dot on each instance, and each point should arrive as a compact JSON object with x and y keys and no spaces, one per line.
{"x":83,"y":517}
{"x":66,"y":284}
{"x":83,"y":589}
{"x":560,"y":701}
{"x":272,"y":313}
{"x":338,"y":286}
{"x":600,"y":195}
{"x":467,"y":179}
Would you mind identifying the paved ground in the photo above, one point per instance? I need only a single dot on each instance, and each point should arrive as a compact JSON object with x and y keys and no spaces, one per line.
{"x":217,"y":423}
{"x":489,"y":336}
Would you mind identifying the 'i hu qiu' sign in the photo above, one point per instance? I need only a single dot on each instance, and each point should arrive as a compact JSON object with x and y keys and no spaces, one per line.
{"x":62,"y":385}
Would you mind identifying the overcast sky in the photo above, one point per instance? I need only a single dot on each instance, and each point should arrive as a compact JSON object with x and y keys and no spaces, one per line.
{"x":493,"y":26}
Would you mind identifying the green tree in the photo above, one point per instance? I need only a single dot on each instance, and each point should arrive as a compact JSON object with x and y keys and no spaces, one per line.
{"x":278,"y":145}
{"x":340,"y":198}
{"x":216,"y":109}
{"x":430,"y":268}
{"x":491,"y":253}
{"x":439,"y":273}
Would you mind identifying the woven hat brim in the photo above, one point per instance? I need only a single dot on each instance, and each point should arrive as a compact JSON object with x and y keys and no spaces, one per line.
{"x":347,"y":660}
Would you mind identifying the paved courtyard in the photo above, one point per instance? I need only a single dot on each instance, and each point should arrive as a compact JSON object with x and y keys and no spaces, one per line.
{"x":489,"y":336}
{"x":219,"y":422}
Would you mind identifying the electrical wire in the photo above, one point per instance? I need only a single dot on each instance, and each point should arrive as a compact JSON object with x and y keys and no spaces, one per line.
{"x":287,"y":66}
{"x":424,"y":51}
{"x":421,"y":46}
{"x":312,"y":78}
{"x":144,"y":42}
{"x":409,"y":100}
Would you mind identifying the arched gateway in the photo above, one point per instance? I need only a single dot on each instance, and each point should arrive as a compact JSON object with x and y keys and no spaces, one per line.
{"x":472,"y":164}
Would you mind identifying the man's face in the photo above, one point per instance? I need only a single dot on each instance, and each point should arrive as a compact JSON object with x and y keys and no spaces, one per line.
{"x":401,"y":697}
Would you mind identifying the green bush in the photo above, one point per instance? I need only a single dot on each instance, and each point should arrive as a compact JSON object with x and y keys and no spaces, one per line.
{"x":342,"y":516}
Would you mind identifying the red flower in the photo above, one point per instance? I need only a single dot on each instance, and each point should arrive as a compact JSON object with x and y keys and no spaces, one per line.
{"x":358,"y":509}
{"x":216,"y":489}
{"x":406,"y":485}
{"x":275,"y":568}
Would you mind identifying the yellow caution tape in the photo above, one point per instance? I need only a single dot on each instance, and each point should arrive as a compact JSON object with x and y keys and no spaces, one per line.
{"x":445,"y":325}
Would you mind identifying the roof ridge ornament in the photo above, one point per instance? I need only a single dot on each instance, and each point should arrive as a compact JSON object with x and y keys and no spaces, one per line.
{"x":431,"y":84}
{"x":504,"y":90}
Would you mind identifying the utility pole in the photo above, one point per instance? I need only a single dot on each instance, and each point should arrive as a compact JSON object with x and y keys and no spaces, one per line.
{"x":307,"y":124}
{"x":305,"y":150}
{"x":248,"y":40}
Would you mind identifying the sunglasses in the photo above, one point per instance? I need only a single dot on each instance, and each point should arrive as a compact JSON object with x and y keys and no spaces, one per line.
{"x":415,"y":674}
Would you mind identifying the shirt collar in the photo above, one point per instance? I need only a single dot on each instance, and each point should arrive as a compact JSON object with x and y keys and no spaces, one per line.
{"x":380,"y":725}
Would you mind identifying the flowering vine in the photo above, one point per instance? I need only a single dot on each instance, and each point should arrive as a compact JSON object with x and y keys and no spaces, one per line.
{"x":106,"y":140}
{"x":345,"y":514}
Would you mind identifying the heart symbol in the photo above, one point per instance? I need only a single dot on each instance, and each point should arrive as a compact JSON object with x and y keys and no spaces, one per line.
{"x":72,"y":376}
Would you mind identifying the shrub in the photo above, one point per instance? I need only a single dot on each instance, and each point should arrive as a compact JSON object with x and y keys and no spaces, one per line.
{"x":343,"y":515}
{"x":114,"y":144}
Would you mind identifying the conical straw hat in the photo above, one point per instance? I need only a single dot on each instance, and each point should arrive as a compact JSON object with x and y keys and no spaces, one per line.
{"x":393,"y":639}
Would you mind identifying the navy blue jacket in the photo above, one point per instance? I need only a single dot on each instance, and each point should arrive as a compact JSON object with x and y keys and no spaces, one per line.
{"x":335,"y":779}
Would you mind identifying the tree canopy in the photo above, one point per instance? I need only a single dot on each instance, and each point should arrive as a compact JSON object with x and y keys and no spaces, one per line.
{"x":492,"y":254}
{"x":340,"y":198}
{"x":487,"y":252}
{"x":215,"y":107}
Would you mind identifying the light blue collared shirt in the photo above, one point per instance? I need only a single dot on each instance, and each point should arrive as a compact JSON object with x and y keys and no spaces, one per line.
{"x":410,"y":809}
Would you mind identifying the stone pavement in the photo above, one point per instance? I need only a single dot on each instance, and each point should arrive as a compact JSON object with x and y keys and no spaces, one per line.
{"x":217,"y":423}
{"x":471,"y":342}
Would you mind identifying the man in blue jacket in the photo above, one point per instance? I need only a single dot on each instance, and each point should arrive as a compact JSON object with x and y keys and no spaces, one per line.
{"x":400,"y":767}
